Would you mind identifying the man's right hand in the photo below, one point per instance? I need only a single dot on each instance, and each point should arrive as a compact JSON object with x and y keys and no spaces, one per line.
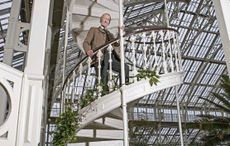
{"x":90,"y":53}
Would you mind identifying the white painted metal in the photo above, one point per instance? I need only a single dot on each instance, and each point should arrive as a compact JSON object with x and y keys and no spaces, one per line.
{"x":99,"y":143}
{"x":134,"y":69}
{"x":179,"y":117}
{"x":133,"y":92}
{"x":99,"y":88}
{"x":7,"y":74}
{"x":110,"y":122}
{"x":123,"y":94}
{"x":86,"y":14}
{"x":109,"y":4}
{"x":110,"y":82}
{"x":64,"y":56}
{"x":29,"y":124}
{"x":222,"y":13}
{"x":101,"y":133}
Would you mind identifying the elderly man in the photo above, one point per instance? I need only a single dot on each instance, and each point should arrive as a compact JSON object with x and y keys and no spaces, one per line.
{"x":98,"y":36}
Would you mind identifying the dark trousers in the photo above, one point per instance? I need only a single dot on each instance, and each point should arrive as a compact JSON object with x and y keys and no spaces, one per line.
{"x":116,"y":66}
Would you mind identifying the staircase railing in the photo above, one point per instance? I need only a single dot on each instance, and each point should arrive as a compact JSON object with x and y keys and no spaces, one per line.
{"x":148,"y":48}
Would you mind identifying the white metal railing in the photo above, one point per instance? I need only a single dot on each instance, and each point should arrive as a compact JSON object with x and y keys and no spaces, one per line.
{"x":153,"y":49}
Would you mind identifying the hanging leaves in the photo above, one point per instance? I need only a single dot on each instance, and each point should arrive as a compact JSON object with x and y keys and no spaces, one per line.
{"x":148,"y":74}
{"x":88,"y":98}
{"x":67,"y":124}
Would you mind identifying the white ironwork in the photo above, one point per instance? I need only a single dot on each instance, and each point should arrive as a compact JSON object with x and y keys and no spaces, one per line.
{"x":110,"y":82}
{"x":134,"y":68}
{"x":144,"y":39}
{"x":99,"y":86}
{"x":179,"y":117}
{"x":162,"y":49}
{"x":123,"y":98}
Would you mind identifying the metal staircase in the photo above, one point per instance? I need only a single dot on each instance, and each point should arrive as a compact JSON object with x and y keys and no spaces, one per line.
{"x":145,"y":48}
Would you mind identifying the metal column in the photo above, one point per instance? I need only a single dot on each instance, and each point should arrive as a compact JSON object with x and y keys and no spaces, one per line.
{"x":123,"y":100}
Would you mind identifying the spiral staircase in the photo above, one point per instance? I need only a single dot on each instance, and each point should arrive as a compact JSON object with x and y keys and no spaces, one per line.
{"x":151,"y":46}
{"x":147,"y":48}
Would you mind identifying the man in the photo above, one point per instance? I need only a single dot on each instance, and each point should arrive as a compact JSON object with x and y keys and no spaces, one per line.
{"x":98,"y":36}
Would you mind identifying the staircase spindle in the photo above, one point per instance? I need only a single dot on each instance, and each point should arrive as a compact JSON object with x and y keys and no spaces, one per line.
{"x":80,"y":70}
{"x":176,"y":53}
{"x":163,"y":52}
{"x":170,"y":50}
{"x":99,"y":87}
{"x":110,"y":82}
{"x":155,"y":48}
{"x":73,"y":87}
{"x":144,"y":50}
{"x":133,"y":59}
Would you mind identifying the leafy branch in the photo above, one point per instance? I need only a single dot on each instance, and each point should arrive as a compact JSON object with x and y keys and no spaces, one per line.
{"x":67,"y":124}
{"x":88,"y":98}
{"x":148,"y":74}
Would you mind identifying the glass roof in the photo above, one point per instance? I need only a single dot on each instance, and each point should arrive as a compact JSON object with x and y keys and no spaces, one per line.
{"x":203,"y":63}
{"x":5,"y":6}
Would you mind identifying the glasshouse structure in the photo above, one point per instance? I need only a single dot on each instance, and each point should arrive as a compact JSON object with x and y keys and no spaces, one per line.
{"x":172,"y":87}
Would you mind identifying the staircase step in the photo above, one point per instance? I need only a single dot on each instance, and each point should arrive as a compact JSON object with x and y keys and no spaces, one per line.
{"x":115,"y":114}
{"x":136,"y":2}
{"x":95,"y":125}
{"x":110,"y":122}
{"x":93,"y":10}
{"x":132,"y":92}
{"x":100,"y":134}
{"x":88,"y":13}
{"x":98,"y":143}
{"x":109,"y":4}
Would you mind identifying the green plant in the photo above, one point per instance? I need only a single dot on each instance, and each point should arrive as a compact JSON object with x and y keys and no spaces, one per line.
{"x":88,"y":98}
{"x":67,"y":124}
{"x":218,"y":128}
{"x":148,"y":74}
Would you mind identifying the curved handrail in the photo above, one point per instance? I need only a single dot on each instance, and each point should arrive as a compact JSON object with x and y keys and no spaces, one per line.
{"x":95,"y":52}
{"x":144,"y":29}
{"x":130,"y":3}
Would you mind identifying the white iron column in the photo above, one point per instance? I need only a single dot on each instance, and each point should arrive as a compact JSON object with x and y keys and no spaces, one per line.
{"x":179,"y":117}
{"x":124,"y":104}
{"x":33,"y":81}
{"x":11,"y":38}
{"x":222,"y":12}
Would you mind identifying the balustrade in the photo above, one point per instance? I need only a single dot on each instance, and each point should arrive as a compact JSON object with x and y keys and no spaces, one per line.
{"x":148,"y":49}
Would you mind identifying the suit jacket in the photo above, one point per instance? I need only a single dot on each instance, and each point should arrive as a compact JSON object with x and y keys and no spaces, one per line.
{"x":97,"y":37}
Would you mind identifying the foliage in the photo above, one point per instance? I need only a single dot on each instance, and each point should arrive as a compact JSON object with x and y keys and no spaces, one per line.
{"x":105,"y":88}
{"x":88,"y":98}
{"x":148,"y":74}
{"x":224,"y":98}
{"x":67,"y":124}
{"x":218,"y":127}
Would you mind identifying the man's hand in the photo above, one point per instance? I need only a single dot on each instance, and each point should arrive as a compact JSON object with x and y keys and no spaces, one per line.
{"x":90,"y":53}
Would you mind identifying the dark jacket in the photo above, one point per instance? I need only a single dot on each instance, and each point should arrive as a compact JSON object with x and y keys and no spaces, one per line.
{"x":95,"y":38}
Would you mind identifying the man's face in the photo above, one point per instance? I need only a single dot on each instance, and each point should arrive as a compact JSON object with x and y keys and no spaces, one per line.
{"x":105,"y":20}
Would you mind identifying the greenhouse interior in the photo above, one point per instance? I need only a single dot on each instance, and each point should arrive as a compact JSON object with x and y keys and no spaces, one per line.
{"x":171,"y":85}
